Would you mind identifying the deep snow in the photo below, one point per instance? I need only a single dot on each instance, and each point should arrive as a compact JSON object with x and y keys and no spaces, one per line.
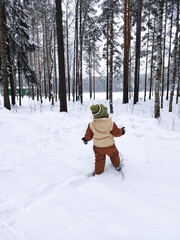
{"x":44,"y":189}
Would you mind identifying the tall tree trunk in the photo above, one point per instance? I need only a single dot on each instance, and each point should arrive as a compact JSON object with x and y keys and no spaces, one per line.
{"x":67,"y":49}
{"x":39,"y":66}
{"x":111,"y":58}
{"x":80,"y":54}
{"x":107,"y":60}
{"x":178,"y":86}
{"x":147,"y":54}
{"x":90,"y":72}
{"x":138,"y":49}
{"x":74,"y":69}
{"x":62,"y":80}
{"x":126,"y":50}
{"x":175,"y":60}
{"x":34,"y":53}
{"x":10,"y":64}
{"x":19,"y":77}
{"x":94,"y":78}
{"x":4,"y":57}
{"x":164,"y":54}
{"x":152,"y":62}
{"x":11,"y":75}
{"x":47,"y":57}
{"x":19,"y":72}
{"x":77,"y":50}
{"x":55,"y":65}
{"x":44,"y":58}
{"x":159,"y":59}
{"x":169,"y":57}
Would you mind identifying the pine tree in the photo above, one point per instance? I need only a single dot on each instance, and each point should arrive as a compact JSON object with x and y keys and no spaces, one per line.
{"x":169,"y":52}
{"x":126,"y":49}
{"x":174,"y":60}
{"x":138,"y":50}
{"x":159,"y":59}
{"x":62,"y":81}
{"x":4,"y":57}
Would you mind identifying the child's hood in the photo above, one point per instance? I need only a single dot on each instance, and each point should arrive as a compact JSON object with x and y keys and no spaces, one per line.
{"x":103,"y":124}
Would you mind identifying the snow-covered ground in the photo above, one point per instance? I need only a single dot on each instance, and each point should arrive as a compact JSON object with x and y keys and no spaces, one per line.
{"x":45,"y":193}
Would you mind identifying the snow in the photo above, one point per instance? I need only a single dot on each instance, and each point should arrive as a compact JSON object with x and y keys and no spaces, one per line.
{"x":44,"y":189}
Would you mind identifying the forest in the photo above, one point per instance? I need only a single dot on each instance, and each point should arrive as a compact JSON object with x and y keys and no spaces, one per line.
{"x":58,"y":50}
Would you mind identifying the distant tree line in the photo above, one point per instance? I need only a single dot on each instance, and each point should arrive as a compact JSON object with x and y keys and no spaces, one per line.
{"x":50,"y":48}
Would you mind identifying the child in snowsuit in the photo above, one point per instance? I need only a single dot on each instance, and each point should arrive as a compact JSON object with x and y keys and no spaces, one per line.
{"x":103,"y":130}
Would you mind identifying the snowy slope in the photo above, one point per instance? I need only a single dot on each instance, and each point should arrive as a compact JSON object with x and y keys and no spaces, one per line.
{"x":44,"y":189}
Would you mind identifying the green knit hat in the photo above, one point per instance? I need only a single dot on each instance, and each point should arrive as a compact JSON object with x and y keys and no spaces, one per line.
{"x":99,"y":111}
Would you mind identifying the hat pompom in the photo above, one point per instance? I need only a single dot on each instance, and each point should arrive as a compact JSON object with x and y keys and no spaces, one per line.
{"x":94,"y":108}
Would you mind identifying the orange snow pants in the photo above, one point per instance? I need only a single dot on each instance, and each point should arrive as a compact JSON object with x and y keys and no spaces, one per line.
{"x":100,"y":156}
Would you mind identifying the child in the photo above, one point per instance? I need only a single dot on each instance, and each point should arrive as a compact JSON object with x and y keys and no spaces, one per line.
{"x":103,"y":131}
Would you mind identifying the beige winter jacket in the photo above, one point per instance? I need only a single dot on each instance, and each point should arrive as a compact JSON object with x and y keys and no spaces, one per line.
{"x":102,"y":130}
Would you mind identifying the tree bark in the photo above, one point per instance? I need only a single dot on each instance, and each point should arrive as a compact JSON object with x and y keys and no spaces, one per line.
{"x":94,"y":78}
{"x":147,"y":54}
{"x":111,"y":58}
{"x":107,"y":60}
{"x":11,"y":75}
{"x":159,"y":59}
{"x":152,"y":62}
{"x":178,"y":86}
{"x":138,"y":49}
{"x":77,"y":50}
{"x":163,"y":62}
{"x":80,"y":54}
{"x":47,"y":58}
{"x":126,"y":50}
{"x":74,"y":69}
{"x":67,"y":50}
{"x":90,"y":72}
{"x":55,"y":65}
{"x":62,"y":80}
{"x":169,"y":57}
{"x":44,"y":57}
{"x":175,"y":60}
{"x":39,"y":66}
{"x":4,"y":57}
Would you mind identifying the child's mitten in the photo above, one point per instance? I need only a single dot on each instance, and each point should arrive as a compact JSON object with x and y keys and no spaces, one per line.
{"x":84,"y":140}
{"x":123,"y":129}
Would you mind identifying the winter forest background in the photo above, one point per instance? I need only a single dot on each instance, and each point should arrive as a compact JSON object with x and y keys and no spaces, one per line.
{"x":108,"y":46}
